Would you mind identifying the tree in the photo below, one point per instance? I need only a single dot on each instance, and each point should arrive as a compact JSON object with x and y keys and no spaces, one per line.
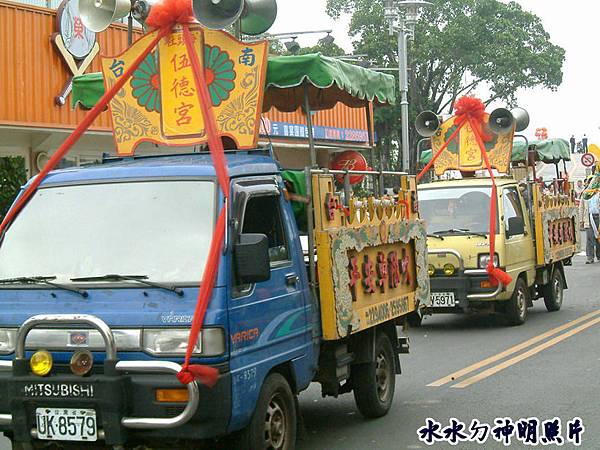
{"x":12,"y":176}
{"x":277,"y":48}
{"x":460,"y":46}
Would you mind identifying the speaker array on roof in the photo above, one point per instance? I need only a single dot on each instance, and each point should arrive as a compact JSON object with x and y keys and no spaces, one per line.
{"x":255,"y":16}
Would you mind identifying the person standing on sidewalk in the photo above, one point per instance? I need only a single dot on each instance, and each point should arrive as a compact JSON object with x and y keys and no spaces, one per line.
{"x":579,"y":188}
{"x":572,"y":142}
{"x":584,"y":143}
{"x":589,"y":220}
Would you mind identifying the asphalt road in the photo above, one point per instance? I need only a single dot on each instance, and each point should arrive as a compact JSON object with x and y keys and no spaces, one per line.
{"x":560,"y":380}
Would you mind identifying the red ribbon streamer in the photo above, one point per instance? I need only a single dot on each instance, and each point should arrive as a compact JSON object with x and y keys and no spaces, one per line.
{"x":495,"y":274}
{"x":206,"y":375}
{"x":81,"y":128}
{"x":439,"y":152}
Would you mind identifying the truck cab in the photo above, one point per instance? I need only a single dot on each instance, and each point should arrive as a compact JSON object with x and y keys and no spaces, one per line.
{"x":457,"y":213}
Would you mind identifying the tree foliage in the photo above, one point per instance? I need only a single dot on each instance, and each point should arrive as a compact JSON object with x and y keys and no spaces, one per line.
{"x":460,"y":46}
{"x":12,"y":176}
{"x":277,"y":48}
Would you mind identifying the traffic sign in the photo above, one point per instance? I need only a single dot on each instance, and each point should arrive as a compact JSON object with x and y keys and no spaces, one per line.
{"x":588,"y":159}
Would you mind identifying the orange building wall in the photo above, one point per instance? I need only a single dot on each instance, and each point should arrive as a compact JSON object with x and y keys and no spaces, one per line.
{"x":33,"y":72}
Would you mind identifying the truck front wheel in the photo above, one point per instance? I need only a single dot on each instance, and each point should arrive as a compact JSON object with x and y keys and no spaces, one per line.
{"x":374,"y":383}
{"x":273,"y":424}
{"x":553,"y":291}
{"x":516,"y":309}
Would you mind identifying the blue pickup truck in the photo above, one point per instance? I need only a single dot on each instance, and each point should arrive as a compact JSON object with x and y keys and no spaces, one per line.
{"x":98,"y":283}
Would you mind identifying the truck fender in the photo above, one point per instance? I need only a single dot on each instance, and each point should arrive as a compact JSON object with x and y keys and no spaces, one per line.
{"x":362,"y":345}
{"x":559,"y":266}
{"x":288,"y":372}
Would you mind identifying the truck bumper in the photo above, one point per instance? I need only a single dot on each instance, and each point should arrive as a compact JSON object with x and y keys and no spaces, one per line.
{"x":113,"y":398}
{"x":467,"y":291}
{"x":122,"y":395}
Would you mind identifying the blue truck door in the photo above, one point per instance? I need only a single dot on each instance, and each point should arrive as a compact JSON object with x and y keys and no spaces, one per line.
{"x":268,"y":323}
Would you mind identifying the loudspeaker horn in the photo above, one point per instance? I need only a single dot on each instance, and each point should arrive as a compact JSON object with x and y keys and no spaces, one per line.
{"x":97,"y":15}
{"x":217,"y":14}
{"x":428,"y":123}
{"x":521,"y":117}
{"x":501,"y":121}
{"x":258,"y":16}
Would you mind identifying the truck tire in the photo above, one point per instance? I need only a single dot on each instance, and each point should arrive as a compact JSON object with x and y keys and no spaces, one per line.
{"x":516,"y":308}
{"x":273,"y":424}
{"x":553,"y":291}
{"x":374,"y":383}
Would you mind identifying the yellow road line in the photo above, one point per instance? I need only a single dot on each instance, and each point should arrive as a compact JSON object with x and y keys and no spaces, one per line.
{"x":535,"y":350}
{"x":510,"y":351}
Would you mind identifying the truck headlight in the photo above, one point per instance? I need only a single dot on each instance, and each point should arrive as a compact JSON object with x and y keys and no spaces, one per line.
{"x":484,"y":258}
{"x":173,"y":341}
{"x":430,"y":270}
{"x":8,"y":339}
{"x":449,"y":269}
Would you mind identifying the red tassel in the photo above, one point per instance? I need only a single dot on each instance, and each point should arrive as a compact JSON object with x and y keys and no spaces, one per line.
{"x":498,"y":275}
{"x":206,"y":375}
{"x":169,"y":12}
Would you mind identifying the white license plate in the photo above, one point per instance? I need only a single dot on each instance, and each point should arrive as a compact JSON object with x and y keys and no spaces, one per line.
{"x":442,"y":299}
{"x":66,"y":424}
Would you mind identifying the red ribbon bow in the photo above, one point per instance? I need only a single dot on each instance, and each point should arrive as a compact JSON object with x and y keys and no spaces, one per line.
{"x":472,"y":109}
{"x":167,"y":13}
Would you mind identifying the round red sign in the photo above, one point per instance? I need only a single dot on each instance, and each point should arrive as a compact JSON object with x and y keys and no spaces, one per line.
{"x":588,"y":159}
{"x":350,"y":160}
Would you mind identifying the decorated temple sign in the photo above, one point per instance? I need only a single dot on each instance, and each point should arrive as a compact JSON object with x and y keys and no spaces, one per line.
{"x":136,"y":109}
{"x":557,"y":237}
{"x":238,"y":72}
{"x":464,"y":153}
{"x":160,"y":103}
{"x":181,"y":115}
{"x":380,"y":271}
{"x":371,"y":257}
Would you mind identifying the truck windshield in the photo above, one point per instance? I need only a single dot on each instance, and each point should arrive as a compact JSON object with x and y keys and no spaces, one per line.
{"x":456,"y":208}
{"x":160,"y":229}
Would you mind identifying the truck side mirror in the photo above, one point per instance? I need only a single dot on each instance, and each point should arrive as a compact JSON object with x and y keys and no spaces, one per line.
{"x":251,"y":256}
{"x":516,"y":226}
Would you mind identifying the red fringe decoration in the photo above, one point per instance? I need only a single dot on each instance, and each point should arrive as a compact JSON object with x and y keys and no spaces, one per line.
{"x":497,"y":275}
{"x":167,"y":13}
{"x":208,"y":376}
{"x":472,"y":107}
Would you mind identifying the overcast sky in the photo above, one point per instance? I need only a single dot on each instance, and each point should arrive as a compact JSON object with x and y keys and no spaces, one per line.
{"x":571,"y":24}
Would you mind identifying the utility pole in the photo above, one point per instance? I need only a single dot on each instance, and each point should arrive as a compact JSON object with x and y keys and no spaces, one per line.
{"x":406,"y":14}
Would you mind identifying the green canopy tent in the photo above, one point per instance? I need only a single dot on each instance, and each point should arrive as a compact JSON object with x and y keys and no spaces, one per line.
{"x":549,"y":151}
